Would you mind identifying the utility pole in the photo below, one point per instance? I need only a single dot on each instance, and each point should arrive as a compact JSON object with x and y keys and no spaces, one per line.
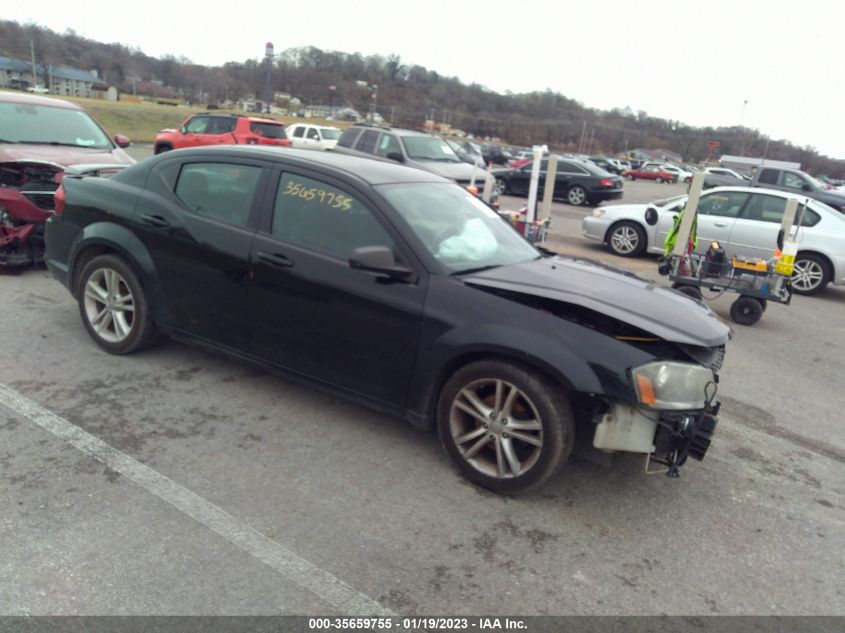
{"x":581,"y":138}
{"x":32,"y":53}
{"x":268,"y":52}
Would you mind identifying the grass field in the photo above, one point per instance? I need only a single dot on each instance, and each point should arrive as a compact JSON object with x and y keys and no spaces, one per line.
{"x":141,"y":121}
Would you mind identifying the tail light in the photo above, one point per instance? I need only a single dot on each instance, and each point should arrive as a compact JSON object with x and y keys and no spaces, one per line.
{"x":606,"y":182}
{"x":60,"y":196}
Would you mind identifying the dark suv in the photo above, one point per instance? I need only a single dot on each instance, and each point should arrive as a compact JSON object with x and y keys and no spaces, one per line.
{"x":414,"y":149}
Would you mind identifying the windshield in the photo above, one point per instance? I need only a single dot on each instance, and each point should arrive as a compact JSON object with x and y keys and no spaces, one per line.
{"x":456,"y":228}
{"x":26,"y":123}
{"x":429,"y":148}
{"x":330,"y":133}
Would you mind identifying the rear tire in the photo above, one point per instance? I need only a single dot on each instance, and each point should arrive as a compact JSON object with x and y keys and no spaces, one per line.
{"x":630,"y":177}
{"x":811,"y":274}
{"x":505,"y":427}
{"x":114,"y":307}
{"x":576,"y":195}
{"x":658,"y":180}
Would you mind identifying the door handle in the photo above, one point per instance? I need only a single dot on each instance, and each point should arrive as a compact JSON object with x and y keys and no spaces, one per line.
{"x":721,"y":225}
{"x":277,"y":260}
{"x":155,"y":220}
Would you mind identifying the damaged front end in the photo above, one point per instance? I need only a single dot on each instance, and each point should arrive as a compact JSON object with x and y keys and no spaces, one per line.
{"x":27,"y":199}
{"x":672,"y":412}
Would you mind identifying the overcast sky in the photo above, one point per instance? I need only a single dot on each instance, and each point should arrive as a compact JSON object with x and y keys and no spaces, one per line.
{"x":696,"y":62}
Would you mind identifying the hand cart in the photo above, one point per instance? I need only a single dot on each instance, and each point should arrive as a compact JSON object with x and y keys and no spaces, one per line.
{"x":756,"y":282}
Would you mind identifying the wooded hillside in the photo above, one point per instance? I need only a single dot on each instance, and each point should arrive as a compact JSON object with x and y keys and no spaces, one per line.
{"x":407,"y":95}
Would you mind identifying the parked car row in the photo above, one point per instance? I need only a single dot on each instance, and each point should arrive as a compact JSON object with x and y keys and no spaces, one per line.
{"x":579,"y":182}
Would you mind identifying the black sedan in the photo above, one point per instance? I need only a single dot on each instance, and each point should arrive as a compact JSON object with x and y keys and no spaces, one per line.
{"x":576,"y":181}
{"x":399,"y":289}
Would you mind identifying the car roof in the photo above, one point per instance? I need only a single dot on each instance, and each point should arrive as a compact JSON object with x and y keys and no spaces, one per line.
{"x":27,"y":99}
{"x":371,"y":170}
{"x":396,"y":130}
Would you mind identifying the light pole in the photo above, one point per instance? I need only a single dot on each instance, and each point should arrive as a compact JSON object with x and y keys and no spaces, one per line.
{"x":268,"y":53}
{"x":742,"y":116}
{"x":373,"y":104}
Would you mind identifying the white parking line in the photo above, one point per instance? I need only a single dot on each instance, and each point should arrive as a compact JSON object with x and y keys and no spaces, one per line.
{"x":296,"y":569}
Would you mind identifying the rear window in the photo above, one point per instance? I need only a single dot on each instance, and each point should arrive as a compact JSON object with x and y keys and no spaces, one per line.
{"x":349,"y":136}
{"x":367,"y":142}
{"x":268,"y":130}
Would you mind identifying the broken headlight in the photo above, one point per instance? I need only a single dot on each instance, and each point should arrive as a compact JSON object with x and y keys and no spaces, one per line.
{"x":674,"y":385}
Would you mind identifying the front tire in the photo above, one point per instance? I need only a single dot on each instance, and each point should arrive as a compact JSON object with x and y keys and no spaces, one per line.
{"x":501,"y":186}
{"x":163,"y":147}
{"x":811,"y":274}
{"x":627,"y":239}
{"x":114,"y":306}
{"x":630,"y":177}
{"x":505,"y":427}
{"x":746,"y":310}
{"x":658,"y":180}
{"x":576,"y":195}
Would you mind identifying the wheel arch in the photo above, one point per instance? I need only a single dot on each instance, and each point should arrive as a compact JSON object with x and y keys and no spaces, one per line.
{"x":578,"y":378}
{"x":103,"y":238}
{"x":808,"y":251}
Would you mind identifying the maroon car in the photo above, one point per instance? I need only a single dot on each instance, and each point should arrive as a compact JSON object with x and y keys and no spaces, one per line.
{"x":40,"y":140}
{"x":651,"y":172}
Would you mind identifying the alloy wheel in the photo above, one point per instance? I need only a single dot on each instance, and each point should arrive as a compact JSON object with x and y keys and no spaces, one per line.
{"x":109,"y":305}
{"x":496,"y":428}
{"x":625,"y":240}
{"x":807,"y":275}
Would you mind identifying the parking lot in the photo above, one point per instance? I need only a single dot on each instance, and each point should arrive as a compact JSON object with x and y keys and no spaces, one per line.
{"x":175,"y":481}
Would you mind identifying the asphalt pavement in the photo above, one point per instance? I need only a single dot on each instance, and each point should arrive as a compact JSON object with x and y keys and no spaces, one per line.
{"x":175,"y":481}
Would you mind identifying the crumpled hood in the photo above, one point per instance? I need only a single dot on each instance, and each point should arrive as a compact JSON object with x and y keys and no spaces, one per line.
{"x":455,"y":171}
{"x":62,"y":155}
{"x":614,"y":292}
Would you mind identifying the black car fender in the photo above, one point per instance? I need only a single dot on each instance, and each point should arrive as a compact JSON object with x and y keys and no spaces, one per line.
{"x":101,"y":237}
{"x":563,"y":362}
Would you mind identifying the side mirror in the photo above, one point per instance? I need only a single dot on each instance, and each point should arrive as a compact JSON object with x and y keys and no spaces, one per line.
{"x":122,"y":141}
{"x":379,"y":259}
{"x":651,"y":216}
{"x":183,"y":129}
{"x":394,"y":156}
{"x":807,"y":187}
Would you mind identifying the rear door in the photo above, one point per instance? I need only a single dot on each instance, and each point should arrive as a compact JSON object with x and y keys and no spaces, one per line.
{"x":756,"y":230}
{"x":197,"y":219}
{"x":309,"y":311}
{"x":717,"y":215}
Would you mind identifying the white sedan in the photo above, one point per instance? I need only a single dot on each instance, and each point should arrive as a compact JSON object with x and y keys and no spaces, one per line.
{"x":744,"y":221}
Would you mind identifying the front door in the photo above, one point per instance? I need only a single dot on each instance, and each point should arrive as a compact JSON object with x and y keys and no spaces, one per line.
{"x":717,"y":214}
{"x":310,"y":312}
